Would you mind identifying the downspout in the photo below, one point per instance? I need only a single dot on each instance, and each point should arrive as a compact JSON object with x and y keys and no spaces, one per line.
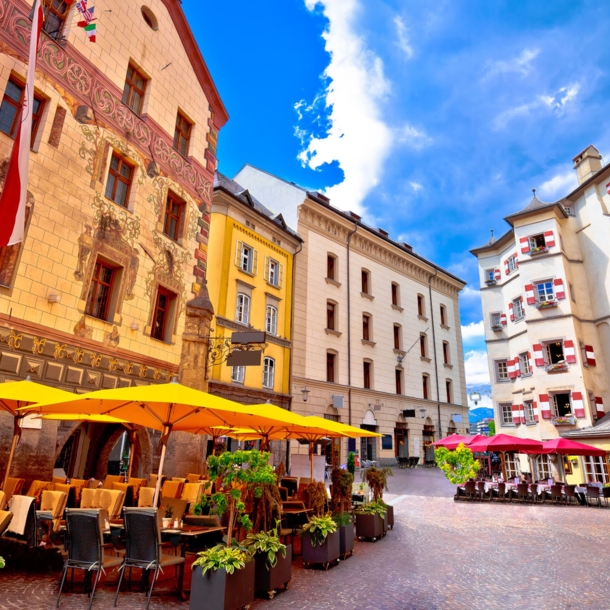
{"x":438,"y":395}
{"x":349,"y":332}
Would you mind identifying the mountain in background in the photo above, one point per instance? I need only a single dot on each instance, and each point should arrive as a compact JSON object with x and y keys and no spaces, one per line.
{"x":479,"y":413}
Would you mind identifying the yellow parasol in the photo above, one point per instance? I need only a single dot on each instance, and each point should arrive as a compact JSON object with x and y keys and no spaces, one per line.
{"x":17,"y":394}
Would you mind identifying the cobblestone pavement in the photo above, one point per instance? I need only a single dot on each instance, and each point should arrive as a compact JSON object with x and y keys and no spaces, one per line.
{"x":441,"y":555}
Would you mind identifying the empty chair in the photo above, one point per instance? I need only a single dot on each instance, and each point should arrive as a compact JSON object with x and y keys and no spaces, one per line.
{"x":523,"y":492}
{"x":192,"y":478}
{"x":179,"y":479}
{"x":171,"y":489}
{"x":500,"y":492}
{"x":70,"y":492}
{"x":143,"y":547}
{"x":5,"y":519}
{"x":481,"y":490}
{"x":52,"y":506}
{"x":109,"y":499}
{"x":127,"y":490}
{"x":112,"y":478}
{"x":61,"y":480}
{"x":593,"y":494}
{"x":534,"y":493}
{"x":136,"y":483}
{"x":13,"y":487}
{"x":556,"y":495}
{"x":146,"y":497}
{"x":570,"y":493}
{"x":36,"y":489}
{"x":23,"y":523}
{"x":152,"y":480}
{"x":470,"y":490}
{"x":191,"y":493}
{"x":86,"y":546}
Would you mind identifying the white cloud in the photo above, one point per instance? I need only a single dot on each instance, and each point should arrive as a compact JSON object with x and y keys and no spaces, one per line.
{"x":356,"y":137}
{"x":403,"y":40}
{"x":470,"y":293}
{"x":411,"y":136}
{"x":563,"y":97}
{"x":416,"y":186}
{"x":520,"y":65}
{"x":477,"y":370}
{"x":558,"y":186}
{"x":474,"y":330}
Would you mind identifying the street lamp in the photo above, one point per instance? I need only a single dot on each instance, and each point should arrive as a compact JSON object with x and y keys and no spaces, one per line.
{"x":422,"y":413}
{"x":475,"y":397}
{"x":305,"y":394}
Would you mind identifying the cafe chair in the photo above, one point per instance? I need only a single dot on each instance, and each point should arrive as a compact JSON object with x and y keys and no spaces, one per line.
{"x":470,"y":490}
{"x":534,"y":495}
{"x":86,"y":546}
{"x":500,"y":492}
{"x":13,"y":487}
{"x":482,"y":493}
{"x":143,"y":547}
{"x":110,"y":479}
{"x":70,"y":492}
{"x":52,"y":507}
{"x":171,"y":489}
{"x":593,"y":494}
{"x":61,"y":480}
{"x":191,"y":493}
{"x":146,"y":497}
{"x":127,"y":490}
{"x":523,"y":493}
{"x":570,"y":494}
{"x":556,"y":495}
{"x":5,"y":519}
{"x":192,"y":477}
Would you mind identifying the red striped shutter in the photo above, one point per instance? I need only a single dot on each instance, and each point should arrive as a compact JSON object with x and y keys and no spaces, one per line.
{"x":529,"y":359}
{"x":577,"y":404}
{"x":503,"y":319}
{"x":517,"y":367}
{"x":535,"y":409}
{"x":590,"y":355}
{"x":529,"y":294}
{"x":599,"y":407}
{"x":522,"y":413}
{"x":538,"y":355}
{"x":516,"y":257}
{"x":510,"y":364}
{"x":568,"y":351}
{"x":516,"y":416}
{"x":559,"y":289}
{"x":549,"y":239}
{"x":525,"y":245}
{"x":510,"y":312}
{"x":506,"y":267}
{"x":545,"y":407}
{"x":497,"y":274}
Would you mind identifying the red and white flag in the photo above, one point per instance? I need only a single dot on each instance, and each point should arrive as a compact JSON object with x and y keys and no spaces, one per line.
{"x":14,"y":193}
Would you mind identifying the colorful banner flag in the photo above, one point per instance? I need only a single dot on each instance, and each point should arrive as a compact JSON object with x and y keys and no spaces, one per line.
{"x":87,"y":17}
{"x":91,"y":31}
{"x":14,"y":194}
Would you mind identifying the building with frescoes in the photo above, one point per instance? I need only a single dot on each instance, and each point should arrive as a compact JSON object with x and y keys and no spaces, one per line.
{"x":122,"y":163}
{"x":545,"y":292}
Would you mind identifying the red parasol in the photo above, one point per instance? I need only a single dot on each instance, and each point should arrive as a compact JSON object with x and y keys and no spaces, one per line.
{"x":452,"y":441}
{"x":565,"y":446}
{"x":505,"y":443}
{"x":475,"y":439}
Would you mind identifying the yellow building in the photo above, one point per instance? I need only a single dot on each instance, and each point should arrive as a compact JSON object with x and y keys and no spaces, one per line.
{"x":581,"y":469}
{"x":251,"y":286}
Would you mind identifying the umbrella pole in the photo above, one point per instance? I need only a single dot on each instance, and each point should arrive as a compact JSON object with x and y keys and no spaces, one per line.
{"x":161,"y":464}
{"x":504,"y":477}
{"x":311,"y":446}
{"x":10,"y":459}
{"x":132,"y":450}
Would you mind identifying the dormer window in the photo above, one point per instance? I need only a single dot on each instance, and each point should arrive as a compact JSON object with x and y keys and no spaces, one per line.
{"x":538,"y":243}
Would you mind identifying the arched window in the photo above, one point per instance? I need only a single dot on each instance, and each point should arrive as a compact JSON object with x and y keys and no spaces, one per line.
{"x":423,"y":345}
{"x":331,"y":315}
{"x":242,"y":310}
{"x":425,"y":385}
{"x":331,"y":366}
{"x":395,"y":294}
{"x":398,"y":374}
{"x":448,"y":387}
{"x":366,"y":327}
{"x":421,"y":306}
{"x":367,"y":373}
{"x":268,"y":373}
{"x":271,"y":320}
{"x":366,"y":282}
{"x":397,"y":336}
{"x":446,"y":358}
{"x":443,"y":315}
{"x":331,"y":267}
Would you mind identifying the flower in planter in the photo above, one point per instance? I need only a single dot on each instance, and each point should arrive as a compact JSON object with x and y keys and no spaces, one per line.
{"x":319,"y":527}
{"x":377,"y":507}
{"x":221,"y":557}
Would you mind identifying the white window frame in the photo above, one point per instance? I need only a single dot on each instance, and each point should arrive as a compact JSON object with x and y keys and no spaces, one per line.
{"x":271,"y":320}
{"x":496,"y":319}
{"x":490,"y":275}
{"x":242,"y":308}
{"x":273,"y":272}
{"x":532,"y":241}
{"x":543,"y":468}
{"x":546,"y":295}
{"x":513,"y":263}
{"x":499,"y":376}
{"x":513,"y":465}
{"x":506,"y":414}
{"x":268,"y":373}
{"x":246,"y":258}
{"x":596,"y":468}
{"x":238,"y":374}
{"x":528,"y":411}
{"x":524,"y":365}
{"x":518,"y":308}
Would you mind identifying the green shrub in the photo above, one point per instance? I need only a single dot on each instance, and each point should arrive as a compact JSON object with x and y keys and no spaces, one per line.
{"x":266,"y":543}
{"x":221,"y":557}
{"x":319,"y":527}
{"x":458,"y":465}
{"x":351,"y":462}
{"x":377,"y":507}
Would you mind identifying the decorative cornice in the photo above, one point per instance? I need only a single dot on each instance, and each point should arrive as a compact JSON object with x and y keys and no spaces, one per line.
{"x":237,"y":326}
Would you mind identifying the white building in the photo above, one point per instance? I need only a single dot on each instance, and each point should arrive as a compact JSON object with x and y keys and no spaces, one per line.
{"x":377,"y":334}
{"x":545,"y":287}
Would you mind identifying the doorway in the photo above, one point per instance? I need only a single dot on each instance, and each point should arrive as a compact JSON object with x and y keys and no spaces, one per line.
{"x":401,"y":440}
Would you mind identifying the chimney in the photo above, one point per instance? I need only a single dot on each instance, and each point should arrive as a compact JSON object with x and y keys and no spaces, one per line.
{"x":587,"y":163}
{"x":383,"y":232}
{"x":355,"y":216}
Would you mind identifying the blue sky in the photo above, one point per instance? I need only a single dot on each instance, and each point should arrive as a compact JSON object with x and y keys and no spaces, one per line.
{"x":433,"y":120}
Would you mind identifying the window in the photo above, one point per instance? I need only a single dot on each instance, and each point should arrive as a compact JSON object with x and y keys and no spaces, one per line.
{"x":445,"y":352}
{"x":544,"y":291}
{"x":120,"y":175}
{"x":238,"y":374}
{"x":537,"y":243}
{"x":513,"y":263}
{"x":246,"y":258}
{"x":149,"y":18}
{"x":496,"y":320}
{"x":506,"y":413}
{"x":581,"y":345}
{"x":424,"y":383}
{"x":100,"y":290}
{"x":543,"y":468}
{"x":524,"y":364}
{"x":10,"y":110}
{"x":561,"y":404}
{"x":512,"y":465}
{"x":398,"y":374}
{"x":420,"y":305}
{"x":365,"y":282}
{"x":422,"y":346}
{"x":490,"y":276}
{"x":554,"y":352}
{"x":366,"y":327}
{"x":331,"y":267}
{"x":518,"y":310}
{"x":273,"y":272}
{"x":330,"y":316}
{"x":161,"y":315}
{"x":268,"y":373}
{"x":367,"y":374}
{"x":174,"y":216}
{"x":135,"y":86}
{"x":443,"y":315}
{"x":448,"y":389}
{"x":502,"y":370}
{"x":330,"y":367}
{"x":528,"y":406}
{"x":242,"y":311}
{"x":182,"y":134}
{"x":271,"y":320}
{"x":395,"y":299}
{"x":596,"y":469}
{"x":56,"y":12}
{"x":396,"y":336}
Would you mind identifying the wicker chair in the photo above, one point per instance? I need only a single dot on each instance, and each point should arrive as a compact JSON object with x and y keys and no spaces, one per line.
{"x":86,"y":546}
{"x":143,"y":547}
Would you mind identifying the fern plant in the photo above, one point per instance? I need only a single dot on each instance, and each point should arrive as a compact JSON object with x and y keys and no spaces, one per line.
{"x":221,"y":557}
{"x":319,"y":527}
{"x":266,"y":543}
{"x":377,"y":507}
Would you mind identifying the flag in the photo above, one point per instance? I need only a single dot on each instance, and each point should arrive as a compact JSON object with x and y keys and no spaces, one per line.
{"x":81,"y":6}
{"x":91,"y":31}
{"x":14,"y":194}
{"x":87,"y":17}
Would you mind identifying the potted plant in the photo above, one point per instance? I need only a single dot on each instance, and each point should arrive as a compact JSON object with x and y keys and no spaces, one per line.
{"x":226,"y":581}
{"x":370,"y":521}
{"x":351,"y":462}
{"x":377,"y":478}
{"x":273,"y":561}
{"x":168,"y":514}
{"x":320,"y":541}
{"x":2,"y":562}
{"x":341,"y":493}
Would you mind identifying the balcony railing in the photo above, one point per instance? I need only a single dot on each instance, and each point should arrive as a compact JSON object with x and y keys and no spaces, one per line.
{"x":546,"y":304}
{"x":558,"y":367}
{"x":496,"y":327}
{"x":538,"y":250}
{"x":490,"y":282}
{"x":563,"y":420}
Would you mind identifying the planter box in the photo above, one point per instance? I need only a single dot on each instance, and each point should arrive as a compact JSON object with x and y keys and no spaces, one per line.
{"x":385,"y":523}
{"x":369,"y":526}
{"x":278,"y":576}
{"x":325,"y":553}
{"x":346,"y":539}
{"x":221,"y":591}
{"x":390,"y":516}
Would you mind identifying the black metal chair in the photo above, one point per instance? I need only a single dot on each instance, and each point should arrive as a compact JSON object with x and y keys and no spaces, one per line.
{"x":556,"y":494}
{"x":86,"y":546}
{"x":523,"y":492}
{"x":570,"y":494}
{"x":143,"y":547}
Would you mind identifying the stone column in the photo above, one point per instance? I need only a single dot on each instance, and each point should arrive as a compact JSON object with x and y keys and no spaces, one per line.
{"x":186,"y":452}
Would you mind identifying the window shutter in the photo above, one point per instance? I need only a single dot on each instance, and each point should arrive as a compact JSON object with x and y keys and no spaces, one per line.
{"x":516,"y":416}
{"x":497,"y":274}
{"x":599,"y":406}
{"x":529,"y":359}
{"x":545,"y":407}
{"x":559,"y":289}
{"x":517,"y":367}
{"x":525,"y":245}
{"x":511,"y":369}
{"x":549,"y":239}
{"x":238,"y":249}
{"x":522,"y":413}
{"x":577,"y":404}
{"x":254,"y":261}
{"x":590,"y":355}
{"x":246,"y":318}
{"x":510,"y":312}
{"x":281,"y":279}
{"x":237,"y":308}
{"x":266,"y":268}
{"x":568,"y":351}
{"x":535,"y":410}
{"x":503,"y":319}
{"x":538,"y":355}
{"x":529,"y":294}
{"x":506,"y":267}
{"x":516,"y":257}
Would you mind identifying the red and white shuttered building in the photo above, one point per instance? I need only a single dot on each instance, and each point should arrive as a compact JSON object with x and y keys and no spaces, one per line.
{"x":545,"y":288}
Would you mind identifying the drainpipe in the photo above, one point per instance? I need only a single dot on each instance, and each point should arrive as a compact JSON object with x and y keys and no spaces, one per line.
{"x":438,"y":396}
{"x":349,"y":332}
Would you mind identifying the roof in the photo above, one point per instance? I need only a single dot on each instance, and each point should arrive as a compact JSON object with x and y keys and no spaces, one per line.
{"x":600,"y":430}
{"x":535,"y":205}
{"x":494,"y":243}
{"x":238,"y":192}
